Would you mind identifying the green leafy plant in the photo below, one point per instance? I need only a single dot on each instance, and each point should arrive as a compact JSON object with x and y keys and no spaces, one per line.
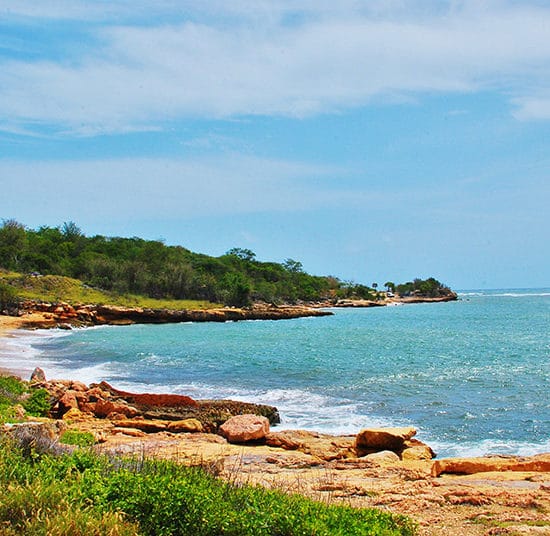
{"x":38,"y":403}
{"x":78,"y":438}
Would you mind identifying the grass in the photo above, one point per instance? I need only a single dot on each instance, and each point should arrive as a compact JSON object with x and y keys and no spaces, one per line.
{"x":56,"y":288}
{"x":77,"y":438}
{"x":83,"y":493}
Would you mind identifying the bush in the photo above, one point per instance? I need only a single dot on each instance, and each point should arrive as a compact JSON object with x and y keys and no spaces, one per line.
{"x":38,"y":403}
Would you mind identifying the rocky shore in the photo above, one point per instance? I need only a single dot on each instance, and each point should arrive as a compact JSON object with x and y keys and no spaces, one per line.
{"x":386,"y":467}
{"x":36,"y":314}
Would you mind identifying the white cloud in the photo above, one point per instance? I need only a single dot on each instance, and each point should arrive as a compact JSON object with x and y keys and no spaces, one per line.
{"x":126,"y":189}
{"x":294,"y":61}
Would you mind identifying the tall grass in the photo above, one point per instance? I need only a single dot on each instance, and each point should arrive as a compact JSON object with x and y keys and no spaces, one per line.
{"x":84,"y":494}
{"x":56,"y":288}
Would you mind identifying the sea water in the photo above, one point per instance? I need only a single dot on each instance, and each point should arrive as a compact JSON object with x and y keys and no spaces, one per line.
{"x":472,"y":376}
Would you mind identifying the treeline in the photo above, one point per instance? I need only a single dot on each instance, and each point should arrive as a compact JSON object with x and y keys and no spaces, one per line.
{"x":151,"y":268}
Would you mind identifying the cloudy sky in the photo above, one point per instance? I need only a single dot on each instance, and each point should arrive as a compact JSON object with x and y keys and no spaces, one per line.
{"x":371,"y":140}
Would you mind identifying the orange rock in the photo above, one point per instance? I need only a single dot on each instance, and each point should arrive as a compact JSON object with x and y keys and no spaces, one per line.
{"x":67,"y":401}
{"x":416,"y":450}
{"x":105,"y":407}
{"x":377,"y":439}
{"x":132,"y":432}
{"x":469,"y":466}
{"x":185,"y":425}
{"x":245,"y":428}
{"x":149,"y":426}
{"x":324,"y":446}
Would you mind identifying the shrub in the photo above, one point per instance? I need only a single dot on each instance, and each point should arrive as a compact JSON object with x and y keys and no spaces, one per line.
{"x":38,"y":403}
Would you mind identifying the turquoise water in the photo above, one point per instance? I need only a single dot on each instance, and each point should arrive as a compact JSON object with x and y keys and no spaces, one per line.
{"x":473,"y":376}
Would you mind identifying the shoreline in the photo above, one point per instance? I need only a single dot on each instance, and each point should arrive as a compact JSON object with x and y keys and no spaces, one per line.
{"x":493,"y":496}
{"x":27,"y":326}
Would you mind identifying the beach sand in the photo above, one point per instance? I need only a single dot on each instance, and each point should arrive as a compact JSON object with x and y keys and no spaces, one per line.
{"x":9,"y":325}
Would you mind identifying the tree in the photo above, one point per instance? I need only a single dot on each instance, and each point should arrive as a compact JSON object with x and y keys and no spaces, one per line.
{"x":71,"y":231}
{"x":375,"y":286}
{"x":390,"y":286}
{"x":243,"y":254}
{"x":8,"y":299}
{"x":293,"y":266}
{"x":13,"y":240}
{"x":237,"y":289}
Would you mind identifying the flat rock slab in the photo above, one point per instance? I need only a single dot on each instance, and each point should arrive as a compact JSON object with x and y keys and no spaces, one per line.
{"x":487,"y":464}
{"x":245,"y":428}
{"x":323,"y":446}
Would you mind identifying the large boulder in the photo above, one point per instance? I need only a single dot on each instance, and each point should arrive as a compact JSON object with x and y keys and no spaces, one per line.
{"x":377,"y":439}
{"x":245,"y":428}
{"x":416,"y":450}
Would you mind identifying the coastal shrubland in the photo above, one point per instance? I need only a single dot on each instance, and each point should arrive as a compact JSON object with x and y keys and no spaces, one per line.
{"x":83,"y":493}
{"x":132,"y":267}
{"x":71,"y":490}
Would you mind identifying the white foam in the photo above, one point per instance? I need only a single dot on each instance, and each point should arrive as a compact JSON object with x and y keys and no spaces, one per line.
{"x":18,"y":353}
{"x":488,"y":446}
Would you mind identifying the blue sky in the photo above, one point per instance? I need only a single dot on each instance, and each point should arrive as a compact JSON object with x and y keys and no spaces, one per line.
{"x":371,"y":140}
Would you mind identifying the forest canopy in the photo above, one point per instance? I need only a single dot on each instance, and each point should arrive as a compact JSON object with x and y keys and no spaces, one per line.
{"x":151,"y":268}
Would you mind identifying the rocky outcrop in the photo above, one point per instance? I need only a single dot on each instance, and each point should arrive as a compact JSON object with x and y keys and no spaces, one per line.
{"x":322,"y":446}
{"x":469,"y":466}
{"x":245,"y":428}
{"x":177,"y":413}
{"x":63,"y":315}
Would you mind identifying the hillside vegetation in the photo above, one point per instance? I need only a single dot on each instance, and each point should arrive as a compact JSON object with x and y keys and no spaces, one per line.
{"x":115,"y":267}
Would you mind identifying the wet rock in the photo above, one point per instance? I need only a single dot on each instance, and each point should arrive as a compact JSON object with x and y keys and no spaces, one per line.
{"x":245,"y":428}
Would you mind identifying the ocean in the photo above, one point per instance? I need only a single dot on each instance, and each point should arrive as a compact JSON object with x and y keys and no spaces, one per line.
{"x":472,"y":376}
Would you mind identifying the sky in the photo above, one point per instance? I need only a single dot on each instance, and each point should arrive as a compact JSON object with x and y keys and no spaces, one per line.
{"x":370,"y":140}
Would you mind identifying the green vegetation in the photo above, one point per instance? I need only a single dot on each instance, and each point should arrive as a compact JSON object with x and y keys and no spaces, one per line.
{"x":56,"y":288}
{"x":14,"y":392}
{"x":83,"y":494}
{"x":78,"y":438}
{"x":430,"y":288}
{"x":130,"y":271}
